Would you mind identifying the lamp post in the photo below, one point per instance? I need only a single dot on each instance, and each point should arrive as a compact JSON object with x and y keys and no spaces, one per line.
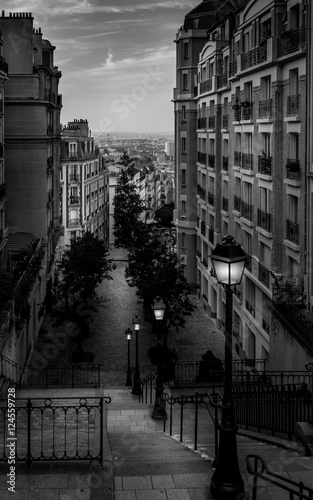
{"x":128,"y":334}
{"x":136,"y":384}
{"x":159,"y":412}
{"x":228,"y":260}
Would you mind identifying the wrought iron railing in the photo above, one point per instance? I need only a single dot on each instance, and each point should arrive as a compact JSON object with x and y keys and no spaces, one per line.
{"x":292,"y":231}
{"x":265,"y":108}
{"x":222,"y":80}
{"x":247,"y":111}
{"x":211,"y":161}
{"x":265,"y":165}
{"x":264,"y":220}
{"x":201,"y":122}
{"x":211,"y":122}
{"x":259,"y":470}
{"x":225,"y":163}
{"x":63,"y":376}
{"x":264,"y":275}
{"x":232,"y":68}
{"x":293,"y":104}
{"x":237,"y":158}
{"x":55,"y":429}
{"x":293,"y":168}
{"x":206,"y":86}
{"x":291,"y":41}
{"x":201,"y":191}
{"x":253,"y":57}
{"x":147,"y":385}
{"x":247,"y":210}
{"x":225,"y":121}
{"x":202,"y":157}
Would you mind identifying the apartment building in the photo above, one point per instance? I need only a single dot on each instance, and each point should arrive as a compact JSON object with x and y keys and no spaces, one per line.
{"x":252,"y":172}
{"x":30,"y":122}
{"x":3,"y":79}
{"x":84,"y":185}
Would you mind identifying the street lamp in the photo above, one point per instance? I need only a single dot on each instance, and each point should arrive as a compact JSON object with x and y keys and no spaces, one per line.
{"x":136,"y":384}
{"x":159,"y":412}
{"x":228,"y":260}
{"x":128,"y":334}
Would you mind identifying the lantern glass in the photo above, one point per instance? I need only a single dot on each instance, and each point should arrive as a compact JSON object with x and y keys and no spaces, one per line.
{"x":159,"y":309}
{"x":136,"y":323}
{"x":228,"y":261}
{"x":128,"y":334}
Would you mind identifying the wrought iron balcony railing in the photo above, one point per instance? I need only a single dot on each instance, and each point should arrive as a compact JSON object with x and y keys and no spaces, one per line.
{"x":74,"y":200}
{"x":264,"y":275}
{"x":292,"y":231}
{"x":212,"y":122}
{"x":247,"y":161}
{"x":201,"y":191}
{"x":237,"y":203}
{"x":73,"y":222}
{"x":232,"y":68}
{"x":74,"y":178}
{"x":291,"y":41}
{"x":201,"y":122}
{"x":202,"y":157}
{"x":293,"y":168}
{"x":237,"y":158}
{"x":225,"y":121}
{"x":225,"y":163}
{"x":264,"y":220}
{"x":206,"y":86}
{"x":246,"y":110}
{"x":210,"y":198}
{"x":211,"y":160}
{"x":222,"y":80}
{"x":265,"y":108}
{"x":265,"y":165}
{"x":293,"y":104}
{"x":253,"y":57}
{"x":246,"y":210}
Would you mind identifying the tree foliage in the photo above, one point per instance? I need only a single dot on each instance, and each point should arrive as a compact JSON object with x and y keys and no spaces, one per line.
{"x":83,"y":266}
{"x":152,"y":268}
{"x":128,"y":206}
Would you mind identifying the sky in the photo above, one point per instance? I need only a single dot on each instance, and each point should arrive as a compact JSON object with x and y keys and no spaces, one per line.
{"x":117,"y":59}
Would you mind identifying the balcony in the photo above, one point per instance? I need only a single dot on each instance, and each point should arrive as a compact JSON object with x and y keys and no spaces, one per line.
{"x":2,"y":191}
{"x":212,"y":122}
{"x":291,"y":41}
{"x":211,"y":235}
{"x":237,"y":158}
{"x":225,"y":121}
{"x":222,"y":80}
{"x":265,"y":165}
{"x":264,"y":275}
{"x":265,"y":108}
{"x":237,"y":203}
{"x":73,"y":222}
{"x":253,"y":57}
{"x":265,"y":220}
{"x":225,"y":163}
{"x":225,"y":204}
{"x":246,"y":110}
{"x":201,"y":192}
{"x":293,"y":168}
{"x":250,"y":308}
{"x":202,"y":157}
{"x":293,"y":105}
{"x":201,"y":122}
{"x":210,"y":198}
{"x":74,"y":200}
{"x":247,"y":161}
{"x":292,"y":231}
{"x":232,"y":68}
{"x":206,"y":86}
{"x":237,"y":112}
{"x":211,"y":160}
{"x":246,"y":210}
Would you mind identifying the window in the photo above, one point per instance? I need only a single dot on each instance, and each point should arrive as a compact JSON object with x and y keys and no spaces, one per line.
{"x":267,"y":144}
{"x":183,"y":239}
{"x":293,"y":82}
{"x":293,"y":208}
{"x":195,"y":23}
{"x":183,"y":177}
{"x":266,"y":88}
{"x":185,"y":81}
{"x":186,"y":50}
{"x":183,"y":145}
{"x":183,"y":112}
{"x":265,"y":200}
{"x":183,"y":208}
{"x":294,"y":146}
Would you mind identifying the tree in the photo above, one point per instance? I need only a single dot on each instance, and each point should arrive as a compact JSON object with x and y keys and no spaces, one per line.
{"x":156,"y":272}
{"x":129,"y":230}
{"x":83,"y":265}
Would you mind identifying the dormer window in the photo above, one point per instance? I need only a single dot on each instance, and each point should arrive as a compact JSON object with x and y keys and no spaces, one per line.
{"x":195,"y":23}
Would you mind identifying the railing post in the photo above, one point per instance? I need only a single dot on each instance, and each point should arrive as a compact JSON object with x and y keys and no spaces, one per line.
{"x":29,"y":456}
{"x":101,"y":430}
{"x":171,"y":417}
{"x":216,"y":428}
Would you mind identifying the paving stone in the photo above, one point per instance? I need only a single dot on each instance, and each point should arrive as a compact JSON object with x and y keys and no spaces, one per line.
{"x":178,"y":494}
{"x":191,"y":480}
{"x":151,"y":495}
{"x":125,"y":495}
{"x":137,"y":483}
{"x":162,"y":482}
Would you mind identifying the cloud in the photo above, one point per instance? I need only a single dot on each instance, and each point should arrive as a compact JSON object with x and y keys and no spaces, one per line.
{"x":101,"y":34}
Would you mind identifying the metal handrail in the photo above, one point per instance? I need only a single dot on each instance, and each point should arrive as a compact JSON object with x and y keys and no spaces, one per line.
{"x":259,"y":470}
{"x":144,"y":384}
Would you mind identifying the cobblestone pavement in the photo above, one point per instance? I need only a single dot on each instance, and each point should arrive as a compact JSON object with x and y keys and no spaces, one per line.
{"x":107,"y":341}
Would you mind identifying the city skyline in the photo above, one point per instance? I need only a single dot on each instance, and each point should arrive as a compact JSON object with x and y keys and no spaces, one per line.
{"x":117,"y":60}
